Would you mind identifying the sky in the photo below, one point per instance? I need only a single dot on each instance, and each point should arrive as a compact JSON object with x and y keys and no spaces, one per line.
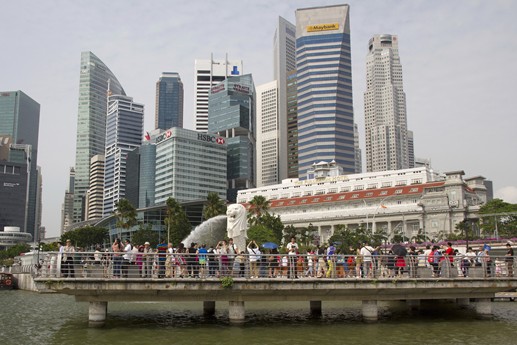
{"x":458,"y":60}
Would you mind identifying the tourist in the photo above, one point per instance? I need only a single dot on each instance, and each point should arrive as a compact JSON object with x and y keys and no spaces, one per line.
{"x":322,"y":263}
{"x":147,"y":260}
{"x":434,"y":260}
{"x":366,"y":253}
{"x":509,"y":259}
{"x":468,"y":260}
{"x":117,"y":248}
{"x":127,"y":258}
{"x":292,"y":250}
{"x":68,"y":260}
{"x":202,"y":260}
{"x":331,"y":251}
{"x":272,"y":263}
{"x":139,"y":260}
{"x":181,"y":262}
{"x":254,"y":259}
{"x":170,"y":261}
{"x":232,"y":251}
{"x":240,"y":265}
{"x":222,"y":251}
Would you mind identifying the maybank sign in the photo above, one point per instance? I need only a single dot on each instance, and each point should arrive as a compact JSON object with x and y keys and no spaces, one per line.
{"x":322,"y":27}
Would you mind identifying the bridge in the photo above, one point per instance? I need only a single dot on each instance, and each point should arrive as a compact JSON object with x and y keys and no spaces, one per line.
{"x":98,"y":287}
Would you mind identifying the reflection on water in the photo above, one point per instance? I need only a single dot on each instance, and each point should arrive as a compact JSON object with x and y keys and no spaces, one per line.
{"x":30,"y":318}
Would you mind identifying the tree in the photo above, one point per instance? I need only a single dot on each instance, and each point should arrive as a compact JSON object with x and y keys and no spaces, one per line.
{"x":498,"y":218}
{"x":261,"y":234}
{"x":177,"y":223}
{"x":259,"y":206}
{"x":87,"y":237}
{"x":351,"y":238}
{"x":146,"y":234}
{"x":274,"y":223}
{"x":125,"y":214}
{"x":214,"y":206}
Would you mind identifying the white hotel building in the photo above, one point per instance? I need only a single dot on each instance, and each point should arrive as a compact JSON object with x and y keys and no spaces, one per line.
{"x":400,"y":201}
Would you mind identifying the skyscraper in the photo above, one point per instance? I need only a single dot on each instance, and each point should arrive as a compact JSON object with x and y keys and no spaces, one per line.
{"x":385,"y":107}
{"x":284,"y":63}
{"x":67,"y":209}
{"x":124,"y":131}
{"x":95,"y":195}
{"x":169,"y":101}
{"x":91,"y":122}
{"x":268,"y":135}
{"x":232,"y":115}
{"x":324,"y":85}
{"x":19,"y":122}
{"x":209,"y":73}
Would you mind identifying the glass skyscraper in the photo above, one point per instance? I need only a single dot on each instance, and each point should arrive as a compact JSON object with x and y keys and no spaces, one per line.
{"x":91,"y":122}
{"x":324,"y":88}
{"x":231,"y":114}
{"x":19,"y":122}
{"x":169,"y":101}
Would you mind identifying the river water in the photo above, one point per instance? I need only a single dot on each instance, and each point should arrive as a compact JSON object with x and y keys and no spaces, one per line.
{"x":32,"y":318}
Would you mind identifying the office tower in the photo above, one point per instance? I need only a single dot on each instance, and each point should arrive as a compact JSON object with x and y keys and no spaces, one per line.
{"x":169,"y":101}
{"x":411,"y":149}
{"x":189,"y":165}
{"x":39,"y":206}
{"x":67,"y":210}
{"x":19,"y":121}
{"x":358,"y":158}
{"x":232,"y":115}
{"x":147,"y":173}
{"x":132,"y":176}
{"x":209,"y":73}
{"x":124,"y":131}
{"x":91,"y":122}
{"x":292,"y":126}
{"x":95,"y":195}
{"x":385,"y":107}
{"x":284,"y":62}
{"x":268,"y":135}
{"x":324,"y":83}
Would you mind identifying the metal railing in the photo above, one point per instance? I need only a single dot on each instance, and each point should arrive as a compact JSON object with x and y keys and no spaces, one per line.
{"x":108,"y":265}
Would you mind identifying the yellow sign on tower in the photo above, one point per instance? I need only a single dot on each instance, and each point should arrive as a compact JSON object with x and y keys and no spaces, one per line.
{"x":323,"y":27}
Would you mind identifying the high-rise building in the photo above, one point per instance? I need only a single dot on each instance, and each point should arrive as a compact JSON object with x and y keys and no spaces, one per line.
{"x":124,"y":131}
{"x":169,"y":101}
{"x":386,"y":133}
{"x":292,"y":126}
{"x":95,"y":195}
{"x":67,"y":210}
{"x":268,"y":135}
{"x":209,"y":73}
{"x":358,"y":157}
{"x":189,"y":165}
{"x":232,"y":115}
{"x":147,"y":174}
{"x":91,"y":122}
{"x":324,"y":84}
{"x":284,"y":63}
{"x":411,"y":149}
{"x":19,"y":121}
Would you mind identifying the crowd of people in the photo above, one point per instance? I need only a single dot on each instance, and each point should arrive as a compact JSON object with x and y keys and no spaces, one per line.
{"x":124,"y":260}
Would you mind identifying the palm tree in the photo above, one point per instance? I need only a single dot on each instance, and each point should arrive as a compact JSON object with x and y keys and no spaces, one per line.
{"x":178,"y":225}
{"x":259,"y":206}
{"x":214,"y":206}
{"x":125,"y":214}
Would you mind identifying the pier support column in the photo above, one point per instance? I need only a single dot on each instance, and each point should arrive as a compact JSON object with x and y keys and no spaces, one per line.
{"x":209,"y":308}
{"x":97,"y":314}
{"x":315,"y":308}
{"x":370,"y":311}
{"x":236,"y":311}
{"x":413,"y":304}
{"x":484,"y":307}
{"x":463,"y":302}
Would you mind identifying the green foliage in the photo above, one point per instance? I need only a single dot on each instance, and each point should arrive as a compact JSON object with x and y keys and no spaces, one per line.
{"x":6,"y":256}
{"x":274,"y":223}
{"x":261,"y":233}
{"x":226,"y":282}
{"x":86,"y":237}
{"x":504,"y":221}
{"x":49,"y":247}
{"x":347,"y":240}
{"x":145,"y":234}
{"x":304,"y":236}
{"x":214,"y":206}
{"x":259,"y":206}
{"x":176,"y":222}
{"x":125,"y":214}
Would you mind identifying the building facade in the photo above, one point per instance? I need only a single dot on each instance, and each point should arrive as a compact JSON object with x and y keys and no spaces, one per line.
{"x":91,"y":122}
{"x":95,"y":195}
{"x":386,"y":134}
{"x":169,"y":101}
{"x":67,"y":209}
{"x":407,"y":202}
{"x":268,"y":135}
{"x":324,"y":83}
{"x":189,"y":165}
{"x":232,"y":116}
{"x":209,"y":73}
{"x":19,"y":121}
{"x":124,"y":132}
{"x":292,"y":126}
{"x":147,"y":174}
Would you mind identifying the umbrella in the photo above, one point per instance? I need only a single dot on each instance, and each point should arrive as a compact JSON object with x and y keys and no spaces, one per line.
{"x":399,"y":250}
{"x":269,"y":245}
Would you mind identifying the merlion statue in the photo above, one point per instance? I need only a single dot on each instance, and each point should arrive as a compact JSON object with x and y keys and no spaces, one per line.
{"x":237,"y":225}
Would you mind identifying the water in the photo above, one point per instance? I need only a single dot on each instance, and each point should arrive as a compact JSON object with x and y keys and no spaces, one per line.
{"x":209,"y":232}
{"x":31,"y":318}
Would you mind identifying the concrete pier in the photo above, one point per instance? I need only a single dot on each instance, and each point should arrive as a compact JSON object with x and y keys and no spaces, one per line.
{"x":209,"y":308}
{"x":315,"y":308}
{"x":236,"y":311}
{"x":484,"y":307}
{"x":97,"y":314}
{"x":370,"y":311}
{"x":463,"y":302}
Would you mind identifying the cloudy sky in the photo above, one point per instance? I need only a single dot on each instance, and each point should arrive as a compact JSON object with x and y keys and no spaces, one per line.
{"x":458,"y":60}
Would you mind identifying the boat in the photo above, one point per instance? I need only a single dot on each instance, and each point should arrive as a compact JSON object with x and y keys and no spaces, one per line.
{"x":6,"y":281}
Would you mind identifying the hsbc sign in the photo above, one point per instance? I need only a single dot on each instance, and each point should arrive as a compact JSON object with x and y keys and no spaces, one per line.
{"x":210,"y":138}
{"x":164,"y":136}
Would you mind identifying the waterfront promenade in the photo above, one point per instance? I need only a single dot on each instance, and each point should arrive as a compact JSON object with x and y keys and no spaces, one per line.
{"x":98,"y":287}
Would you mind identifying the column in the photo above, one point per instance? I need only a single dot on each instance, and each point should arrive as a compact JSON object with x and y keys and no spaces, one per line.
{"x":370,"y":311}
{"x":315,"y":308}
{"x":484,"y":307}
{"x":97,"y":314}
{"x":463,"y":302}
{"x":209,"y":308}
{"x":236,"y":311}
